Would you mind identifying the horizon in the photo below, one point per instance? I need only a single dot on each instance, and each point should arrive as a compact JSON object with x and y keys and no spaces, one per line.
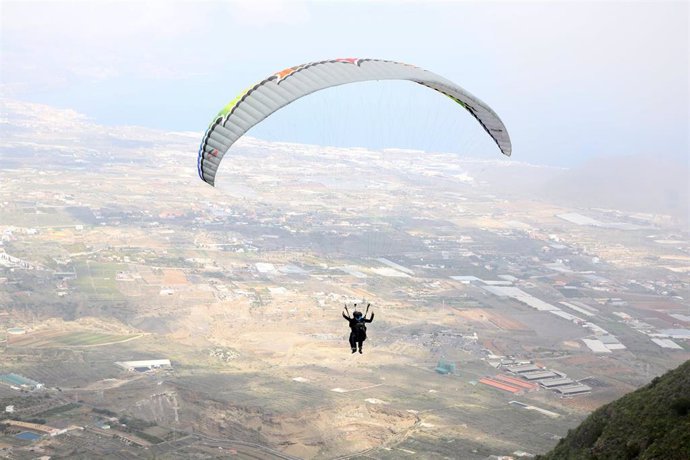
{"x":571,"y":81}
{"x":250,"y":138}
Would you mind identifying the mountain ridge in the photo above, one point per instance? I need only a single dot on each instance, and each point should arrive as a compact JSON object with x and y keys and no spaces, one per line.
{"x":652,"y":422}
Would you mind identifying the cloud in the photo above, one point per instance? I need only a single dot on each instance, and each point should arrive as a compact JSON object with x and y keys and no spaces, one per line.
{"x":44,"y":41}
{"x":268,"y":12}
{"x":47,"y":42}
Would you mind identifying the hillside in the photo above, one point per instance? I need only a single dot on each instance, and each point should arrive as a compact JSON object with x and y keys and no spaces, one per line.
{"x":650,"y":423}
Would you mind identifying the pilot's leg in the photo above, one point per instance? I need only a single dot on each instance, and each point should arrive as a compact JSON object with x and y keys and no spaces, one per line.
{"x":353,"y":343}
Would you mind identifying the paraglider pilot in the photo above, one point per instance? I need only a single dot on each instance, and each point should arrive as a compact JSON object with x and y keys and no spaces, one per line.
{"x":358,"y":327}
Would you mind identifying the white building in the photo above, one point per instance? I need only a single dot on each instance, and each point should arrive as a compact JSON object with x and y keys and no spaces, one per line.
{"x":145,"y":364}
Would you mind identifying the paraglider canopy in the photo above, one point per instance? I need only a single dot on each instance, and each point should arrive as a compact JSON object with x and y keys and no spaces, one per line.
{"x":280,"y":89}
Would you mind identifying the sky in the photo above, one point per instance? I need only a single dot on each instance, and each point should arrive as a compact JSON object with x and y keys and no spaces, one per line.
{"x":572,"y":81}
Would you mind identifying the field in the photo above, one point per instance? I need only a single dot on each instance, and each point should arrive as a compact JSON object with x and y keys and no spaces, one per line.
{"x":498,"y":320}
{"x":58,"y":339}
{"x":174,"y":277}
{"x":97,"y":280}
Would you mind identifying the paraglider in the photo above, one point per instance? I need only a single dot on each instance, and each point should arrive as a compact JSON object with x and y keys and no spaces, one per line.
{"x":358,"y":327}
{"x":280,"y":89}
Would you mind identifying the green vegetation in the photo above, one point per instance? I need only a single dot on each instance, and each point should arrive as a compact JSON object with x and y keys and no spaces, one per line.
{"x":74,"y":248}
{"x":135,"y":424}
{"x":97,"y":279}
{"x":107,"y":412}
{"x":58,"y":410}
{"x":650,"y":423}
{"x":36,"y":420}
{"x":148,"y":437}
{"x":70,"y":339}
{"x":34,"y":216}
{"x":88,"y":338}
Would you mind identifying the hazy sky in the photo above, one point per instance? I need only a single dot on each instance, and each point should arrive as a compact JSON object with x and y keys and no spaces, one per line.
{"x":571,"y":80}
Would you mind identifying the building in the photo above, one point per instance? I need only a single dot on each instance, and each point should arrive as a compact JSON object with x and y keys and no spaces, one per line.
{"x":675,"y":333}
{"x":516,"y":382}
{"x":537,"y":375}
{"x":499,"y":385}
{"x":16,"y":381}
{"x":557,"y":382}
{"x":145,"y":365}
{"x":667,"y":343}
{"x":445,"y":367}
{"x":523,"y":368}
{"x":571,"y":390}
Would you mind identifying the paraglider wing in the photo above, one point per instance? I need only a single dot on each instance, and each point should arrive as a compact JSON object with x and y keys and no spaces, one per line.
{"x":286,"y":86}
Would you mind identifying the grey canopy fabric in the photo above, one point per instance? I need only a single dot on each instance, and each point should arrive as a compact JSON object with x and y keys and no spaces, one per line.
{"x":286,"y":86}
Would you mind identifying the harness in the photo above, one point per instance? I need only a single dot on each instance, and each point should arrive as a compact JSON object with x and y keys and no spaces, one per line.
{"x":360,"y":328}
